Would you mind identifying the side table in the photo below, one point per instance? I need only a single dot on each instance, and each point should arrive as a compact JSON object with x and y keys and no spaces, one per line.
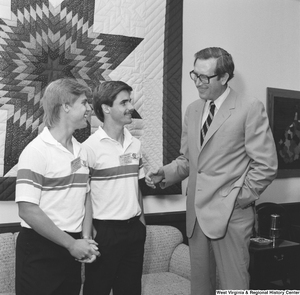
{"x":274,"y":262}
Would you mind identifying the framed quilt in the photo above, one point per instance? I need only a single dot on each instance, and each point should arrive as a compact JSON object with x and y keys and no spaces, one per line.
{"x":136,"y":41}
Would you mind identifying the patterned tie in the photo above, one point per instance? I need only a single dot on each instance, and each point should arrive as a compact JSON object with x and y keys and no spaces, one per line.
{"x":208,"y":121}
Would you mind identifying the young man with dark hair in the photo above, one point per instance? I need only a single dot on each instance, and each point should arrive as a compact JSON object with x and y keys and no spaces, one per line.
{"x":115,"y":159}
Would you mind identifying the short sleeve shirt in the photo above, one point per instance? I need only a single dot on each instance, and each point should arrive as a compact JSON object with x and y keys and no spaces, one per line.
{"x":56,"y":180}
{"x":115,"y":171}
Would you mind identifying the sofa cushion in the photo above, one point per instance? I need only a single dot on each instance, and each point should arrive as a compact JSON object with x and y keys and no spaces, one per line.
{"x":7,"y":262}
{"x":165,"y":283}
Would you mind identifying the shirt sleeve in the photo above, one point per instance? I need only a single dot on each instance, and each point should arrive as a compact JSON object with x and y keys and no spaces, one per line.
{"x":30,"y":176}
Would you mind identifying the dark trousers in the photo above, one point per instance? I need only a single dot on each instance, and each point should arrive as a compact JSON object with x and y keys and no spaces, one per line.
{"x":120,"y":265}
{"x":45,"y":268}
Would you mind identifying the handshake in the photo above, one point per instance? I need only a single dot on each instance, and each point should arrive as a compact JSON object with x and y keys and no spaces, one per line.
{"x":153,"y":177}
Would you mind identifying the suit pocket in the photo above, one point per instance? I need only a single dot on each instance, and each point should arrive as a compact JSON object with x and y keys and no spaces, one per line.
{"x":226,"y":189}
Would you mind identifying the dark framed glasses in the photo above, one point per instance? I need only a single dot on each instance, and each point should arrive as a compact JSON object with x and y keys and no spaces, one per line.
{"x":203,"y":78}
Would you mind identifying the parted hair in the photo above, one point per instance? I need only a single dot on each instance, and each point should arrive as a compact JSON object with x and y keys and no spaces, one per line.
{"x":58,"y":92}
{"x":224,"y":60}
{"x":106,"y":93}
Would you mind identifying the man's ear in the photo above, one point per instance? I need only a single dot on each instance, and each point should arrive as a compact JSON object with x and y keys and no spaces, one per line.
{"x":66,"y":107}
{"x":105,"y":108}
{"x":225,"y":78}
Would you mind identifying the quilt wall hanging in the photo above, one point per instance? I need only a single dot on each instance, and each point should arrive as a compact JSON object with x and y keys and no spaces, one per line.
{"x":136,"y":41}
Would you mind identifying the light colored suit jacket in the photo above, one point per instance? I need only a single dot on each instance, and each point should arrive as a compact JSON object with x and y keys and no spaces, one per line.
{"x":236,"y":161}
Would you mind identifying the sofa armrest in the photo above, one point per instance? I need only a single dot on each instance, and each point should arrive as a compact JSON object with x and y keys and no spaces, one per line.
{"x":160,"y":244}
{"x":7,"y":263}
{"x":180,"y":261}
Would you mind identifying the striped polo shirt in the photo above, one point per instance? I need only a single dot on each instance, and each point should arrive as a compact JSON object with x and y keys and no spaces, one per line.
{"x":115,"y":171}
{"x":55,"y":179}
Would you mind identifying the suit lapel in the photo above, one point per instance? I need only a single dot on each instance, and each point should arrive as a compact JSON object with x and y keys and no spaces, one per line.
{"x":222,"y":115}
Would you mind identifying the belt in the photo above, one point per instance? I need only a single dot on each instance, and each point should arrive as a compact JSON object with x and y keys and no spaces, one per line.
{"x":113,"y":221}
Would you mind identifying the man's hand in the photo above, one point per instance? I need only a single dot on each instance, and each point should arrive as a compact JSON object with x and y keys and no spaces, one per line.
{"x":92,"y":258}
{"x":88,"y":260}
{"x":154,"y":177}
{"x":84,"y":250}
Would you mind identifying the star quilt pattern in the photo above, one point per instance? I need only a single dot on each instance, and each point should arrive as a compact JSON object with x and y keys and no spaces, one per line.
{"x":138,"y":42}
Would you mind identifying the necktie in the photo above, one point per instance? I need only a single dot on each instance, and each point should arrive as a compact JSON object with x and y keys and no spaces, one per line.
{"x":208,"y":120}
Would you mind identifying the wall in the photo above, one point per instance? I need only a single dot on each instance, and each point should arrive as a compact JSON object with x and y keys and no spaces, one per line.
{"x":263,"y":37}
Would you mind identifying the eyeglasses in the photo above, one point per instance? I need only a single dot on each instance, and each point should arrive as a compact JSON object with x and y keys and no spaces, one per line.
{"x":203,"y":78}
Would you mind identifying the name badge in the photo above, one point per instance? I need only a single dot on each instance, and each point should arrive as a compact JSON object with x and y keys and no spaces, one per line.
{"x":128,"y":158}
{"x":75,"y":165}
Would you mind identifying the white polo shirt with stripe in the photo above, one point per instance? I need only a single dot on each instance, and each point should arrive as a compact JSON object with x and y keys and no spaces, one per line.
{"x":55,"y":179}
{"x":115,"y":171}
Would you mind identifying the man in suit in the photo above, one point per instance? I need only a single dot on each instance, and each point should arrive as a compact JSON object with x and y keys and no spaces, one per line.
{"x":229,"y":155}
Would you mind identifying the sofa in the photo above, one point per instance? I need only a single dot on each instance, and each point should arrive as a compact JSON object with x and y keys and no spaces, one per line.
{"x":166,"y":269}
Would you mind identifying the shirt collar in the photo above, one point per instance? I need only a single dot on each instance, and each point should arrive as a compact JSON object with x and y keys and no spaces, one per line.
{"x":46,"y":136}
{"x":103,"y":135}
{"x":218,"y":102}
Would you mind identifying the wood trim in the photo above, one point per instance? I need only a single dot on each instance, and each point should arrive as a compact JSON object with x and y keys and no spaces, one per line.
{"x":10,"y":227}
